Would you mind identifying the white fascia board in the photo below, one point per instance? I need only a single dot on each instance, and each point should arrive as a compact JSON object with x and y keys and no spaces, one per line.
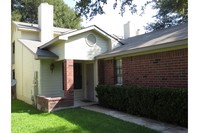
{"x":137,"y":50}
{"x":82,"y":31}
{"x":65,"y":36}
{"x":27,"y":29}
{"x":53,"y":41}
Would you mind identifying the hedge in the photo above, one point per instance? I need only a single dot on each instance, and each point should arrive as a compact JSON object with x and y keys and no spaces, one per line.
{"x":163,"y":104}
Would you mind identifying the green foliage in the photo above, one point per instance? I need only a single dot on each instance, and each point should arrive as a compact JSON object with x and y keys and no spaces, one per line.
{"x":27,"y":119}
{"x":27,"y":11}
{"x":90,"y":8}
{"x":169,"y":105}
{"x":170,"y":13}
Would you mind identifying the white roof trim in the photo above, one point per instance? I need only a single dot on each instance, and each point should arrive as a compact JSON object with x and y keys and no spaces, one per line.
{"x":76,"y":32}
{"x":52,"y":41}
{"x":93,"y":27}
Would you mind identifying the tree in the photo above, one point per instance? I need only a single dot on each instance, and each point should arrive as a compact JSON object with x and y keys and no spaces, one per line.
{"x":171,"y":12}
{"x":64,"y":16}
{"x":90,"y":8}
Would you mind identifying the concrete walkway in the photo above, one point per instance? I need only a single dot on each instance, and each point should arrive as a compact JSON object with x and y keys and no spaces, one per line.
{"x":156,"y":125}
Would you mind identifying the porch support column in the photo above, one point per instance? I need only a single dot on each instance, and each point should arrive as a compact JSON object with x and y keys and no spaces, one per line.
{"x":96,"y":80}
{"x":69,"y":82}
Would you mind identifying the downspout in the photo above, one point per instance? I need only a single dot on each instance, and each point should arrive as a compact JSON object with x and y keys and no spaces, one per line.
{"x":22,"y":68}
{"x":35,"y":88}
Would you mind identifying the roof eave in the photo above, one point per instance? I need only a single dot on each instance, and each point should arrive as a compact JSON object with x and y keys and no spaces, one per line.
{"x":154,"y":47}
{"x":45,"y":57}
{"x":37,"y":57}
{"x":52,"y":41}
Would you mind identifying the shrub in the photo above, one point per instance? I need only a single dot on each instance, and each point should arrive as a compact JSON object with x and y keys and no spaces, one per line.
{"x":163,"y":104}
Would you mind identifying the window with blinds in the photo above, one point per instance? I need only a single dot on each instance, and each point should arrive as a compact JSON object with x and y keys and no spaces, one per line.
{"x":119,"y":71}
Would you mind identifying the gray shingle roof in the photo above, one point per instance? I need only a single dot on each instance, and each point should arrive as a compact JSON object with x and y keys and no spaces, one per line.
{"x":39,"y":53}
{"x":165,"y":36}
{"x":35,"y":27}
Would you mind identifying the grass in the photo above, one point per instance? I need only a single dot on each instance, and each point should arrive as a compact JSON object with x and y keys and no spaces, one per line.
{"x":27,"y":119}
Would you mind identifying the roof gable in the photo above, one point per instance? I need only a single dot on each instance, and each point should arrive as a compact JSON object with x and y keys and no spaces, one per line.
{"x":66,"y":35}
{"x":35,"y":27}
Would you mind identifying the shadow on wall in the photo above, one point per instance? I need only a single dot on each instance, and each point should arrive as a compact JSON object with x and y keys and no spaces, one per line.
{"x":94,"y":51}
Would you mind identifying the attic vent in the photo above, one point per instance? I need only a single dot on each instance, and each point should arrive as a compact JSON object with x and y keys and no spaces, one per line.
{"x":91,"y":40}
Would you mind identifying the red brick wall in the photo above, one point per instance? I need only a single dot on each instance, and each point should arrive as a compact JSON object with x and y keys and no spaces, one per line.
{"x":109,"y":72}
{"x":165,"y":69}
{"x":51,"y":103}
{"x":101,"y":71}
{"x":69,"y":81}
{"x":42,"y":103}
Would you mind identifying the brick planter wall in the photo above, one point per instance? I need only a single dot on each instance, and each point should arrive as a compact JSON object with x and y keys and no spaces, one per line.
{"x":48,"y":104}
{"x":165,"y":69}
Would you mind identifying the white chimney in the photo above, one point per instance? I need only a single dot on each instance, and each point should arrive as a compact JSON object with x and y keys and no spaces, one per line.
{"x":137,"y":32}
{"x":129,"y":30}
{"x":45,"y":22}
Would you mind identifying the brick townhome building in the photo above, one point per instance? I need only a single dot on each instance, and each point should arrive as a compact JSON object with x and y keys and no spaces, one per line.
{"x":55,"y":67}
{"x":157,"y":59}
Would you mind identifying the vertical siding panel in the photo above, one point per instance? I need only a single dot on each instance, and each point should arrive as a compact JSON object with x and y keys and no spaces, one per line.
{"x":51,"y":81}
{"x":77,"y":48}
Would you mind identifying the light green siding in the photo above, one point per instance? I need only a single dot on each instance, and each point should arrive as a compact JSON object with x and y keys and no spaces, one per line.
{"x":51,"y":81}
{"x":58,"y":49}
{"x":29,"y":35}
{"x":25,"y":67}
{"x":77,"y":48}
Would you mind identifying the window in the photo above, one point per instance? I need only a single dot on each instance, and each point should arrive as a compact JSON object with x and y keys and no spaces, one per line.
{"x":77,"y":76}
{"x":91,"y":40}
{"x":13,"y":53}
{"x":13,"y":74}
{"x":13,"y":47}
{"x":119,"y":71}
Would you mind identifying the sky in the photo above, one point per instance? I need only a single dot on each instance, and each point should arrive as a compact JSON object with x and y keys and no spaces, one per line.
{"x":112,"y":22}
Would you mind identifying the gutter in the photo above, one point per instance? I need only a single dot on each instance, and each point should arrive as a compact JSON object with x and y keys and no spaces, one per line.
{"x":44,"y":57}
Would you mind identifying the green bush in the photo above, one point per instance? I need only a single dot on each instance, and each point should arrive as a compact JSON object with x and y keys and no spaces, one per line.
{"x":163,"y":104}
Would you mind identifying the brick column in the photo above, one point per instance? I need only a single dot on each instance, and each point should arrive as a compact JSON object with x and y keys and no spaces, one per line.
{"x":69,"y":82}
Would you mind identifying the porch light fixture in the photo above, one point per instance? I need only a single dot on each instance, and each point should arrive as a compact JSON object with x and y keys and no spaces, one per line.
{"x":52,"y":67}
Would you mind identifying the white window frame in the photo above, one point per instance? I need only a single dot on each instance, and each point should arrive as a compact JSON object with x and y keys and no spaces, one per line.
{"x":119,"y":78}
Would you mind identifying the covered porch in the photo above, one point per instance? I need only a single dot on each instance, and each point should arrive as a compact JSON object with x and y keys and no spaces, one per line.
{"x":78,"y":81}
